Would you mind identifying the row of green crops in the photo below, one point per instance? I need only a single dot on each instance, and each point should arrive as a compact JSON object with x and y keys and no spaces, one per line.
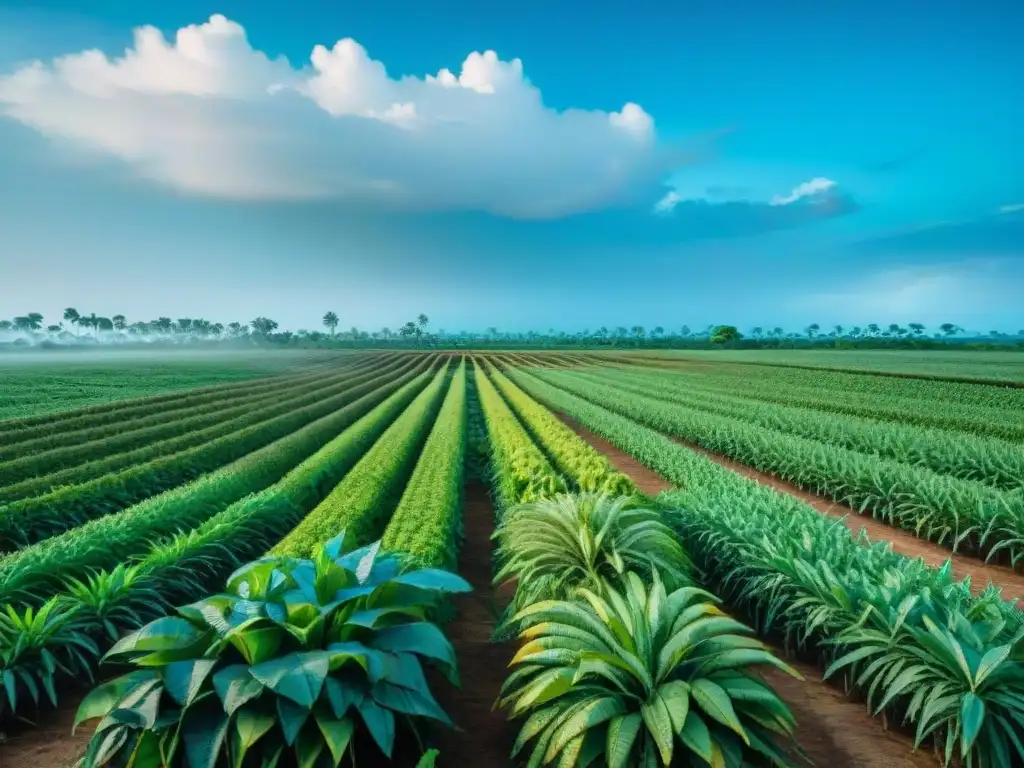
{"x":363,"y":501}
{"x":32,"y":573}
{"x":73,"y":627}
{"x":620,"y":658}
{"x":587,"y":469}
{"x":122,"y":411}
{"x":427,"y":524}
{"x":968,"y":457}
{"x":31,"y":520}
{"x":167,"y":436}
{"x":956,"y":513}
{"x":907,"y":637}
{"x":521,"y":471}
{"x":1005,"y":423}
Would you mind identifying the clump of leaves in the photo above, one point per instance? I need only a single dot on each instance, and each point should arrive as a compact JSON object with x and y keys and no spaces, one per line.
{"x":642,"y":677}
{"x":295,"y":656}
{"x":553,"y":546}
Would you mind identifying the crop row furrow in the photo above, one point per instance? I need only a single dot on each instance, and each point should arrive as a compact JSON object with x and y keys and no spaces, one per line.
{"x":32,"y":573}
{"x":968,"y":457}
{"x":584,"y":467}
{"x":364,"y":499}
{"x":31,"y":520}
{"x":426,"y":524}
{"x":952,"y":512}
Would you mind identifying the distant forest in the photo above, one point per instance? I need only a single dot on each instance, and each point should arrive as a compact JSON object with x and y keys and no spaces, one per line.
{"x":75,"y":328}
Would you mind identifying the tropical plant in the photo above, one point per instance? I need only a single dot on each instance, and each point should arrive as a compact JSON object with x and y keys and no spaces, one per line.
{"x":555,"y":546}
{"x":330,"y":320}
{"x":296,"y":656}
{"x":634,"y":674}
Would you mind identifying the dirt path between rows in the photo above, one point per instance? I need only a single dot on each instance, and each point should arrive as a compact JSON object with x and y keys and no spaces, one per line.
{"x":1006,"y":579}
{"x":50,"y":744}
{"x":832,"y":730}
{"x":486,"y":738}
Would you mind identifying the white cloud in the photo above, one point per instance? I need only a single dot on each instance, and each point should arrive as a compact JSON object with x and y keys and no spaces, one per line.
{"x":207,"y":114}
{"x":1011,"y":208}
{"x":813,"y":190}
{"x":810,"y":188}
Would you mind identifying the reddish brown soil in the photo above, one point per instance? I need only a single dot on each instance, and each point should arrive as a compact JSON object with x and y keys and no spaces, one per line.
{"x":486,"y":737}
{"x":832,"y":730}
{"x":50,"y":744}
{"x":1009,"y":581}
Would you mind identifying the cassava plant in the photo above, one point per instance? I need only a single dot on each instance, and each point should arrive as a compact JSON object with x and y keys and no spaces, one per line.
{"x":641,"y":676}
{"x":296,"y":656}
{"x":553,"y":546}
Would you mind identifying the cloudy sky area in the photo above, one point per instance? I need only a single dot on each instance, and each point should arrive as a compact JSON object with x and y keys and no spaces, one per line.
{"x":529,"y":166}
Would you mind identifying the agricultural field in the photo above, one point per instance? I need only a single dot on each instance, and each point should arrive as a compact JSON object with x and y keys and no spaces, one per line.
{"x":513,"y":558}
{"x":1005,"y":368}
{"x":45,"y":383}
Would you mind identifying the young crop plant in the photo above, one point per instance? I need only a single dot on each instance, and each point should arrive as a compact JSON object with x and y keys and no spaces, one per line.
{"x":643,"y":676}
{"x":294,"y":660}
{"x":520,"y":470}
{"x":427,"y":523}
{"x":553,"y":547}
{"x":368,"y":493}
{"x":588,"y":470}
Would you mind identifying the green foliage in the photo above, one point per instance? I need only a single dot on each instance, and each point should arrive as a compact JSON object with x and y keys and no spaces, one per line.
{"x":31,"y":573}
{"x":725,"y":334}
{"x":957,"y":513}
{"x":362,"y":501}
{"x":553,"y":547}
{"x":968,"y":457}
{"x":427,"y":522}
{"x":808,"y":578}
{"x":45,"y":471}
{"x":100,"y":608}
{"x":31,"y":520}
{"x":587,"y":469}
{"x":297,"y":656}
{"x":643,"y":676}
{"x":520,"y":471}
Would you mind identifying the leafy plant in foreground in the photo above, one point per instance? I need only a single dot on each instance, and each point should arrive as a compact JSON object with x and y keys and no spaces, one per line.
{"x":554,"y":546}
{"x":295,"y":656}
{"x":636,"y":673}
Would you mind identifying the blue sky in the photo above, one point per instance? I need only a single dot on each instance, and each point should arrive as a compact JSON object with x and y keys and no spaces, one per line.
{"x":656,"y":163}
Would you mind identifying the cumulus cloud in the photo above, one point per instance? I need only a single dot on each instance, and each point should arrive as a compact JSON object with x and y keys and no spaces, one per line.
{"x":1014,"y":208}
{"x":207,"y":114}
{"x":809,"y":189}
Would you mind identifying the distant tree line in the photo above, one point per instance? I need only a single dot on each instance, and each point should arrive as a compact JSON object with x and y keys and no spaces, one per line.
{"x":79,"y":328}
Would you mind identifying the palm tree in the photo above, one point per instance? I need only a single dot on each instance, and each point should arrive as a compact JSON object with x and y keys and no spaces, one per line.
{"x":684,"y":331}
{"x":386,"y":333}
{"x":855,"y":331}
{"x":838,"y":330}
{"x":658,"y":332}
{"x":812,"y":330}
{"x":917,"y":329}
{"x":949,"y":329}
{"x":119,"y":322}
{"x":778,"y":332}
{"x":422,"y":321}
{"x":873,"y":329}
{"x":331,"y":321}
{"x":72,"y":316}
{"x":638,"y":331}
{"x":263,"y":326}
{"x":757,"y":331}
{"x":409,"y":329}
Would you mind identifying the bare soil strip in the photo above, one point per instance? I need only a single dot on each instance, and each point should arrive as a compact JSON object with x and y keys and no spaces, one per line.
{"x":832,"y":730}
{"x":486,"y":738}
{"x":50,"y":744}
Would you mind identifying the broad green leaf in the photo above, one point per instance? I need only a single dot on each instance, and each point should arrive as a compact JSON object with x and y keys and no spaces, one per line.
{"x":676,"y":696}
{"x":380,"y":722}
{"x":696,"y":736}
{"x":713,"y":699}
{"x":337,"y":733}
{"x":183,"y":679}
{"x":592,"y":714}
{"x":659,"y":725}
{"x":102,"y":699}
{"x":235,"y":686}
{"x":257,"y":645}
{"x":291,"y":717}
{"x":203,"y":732}
{"x":297,"y":676}
{"x":250,"y":725}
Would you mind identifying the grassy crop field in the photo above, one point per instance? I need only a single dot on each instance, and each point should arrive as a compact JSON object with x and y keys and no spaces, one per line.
{"x":639,"y":559}
{"x":45,"y":383}
{"x":983,"y":366}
